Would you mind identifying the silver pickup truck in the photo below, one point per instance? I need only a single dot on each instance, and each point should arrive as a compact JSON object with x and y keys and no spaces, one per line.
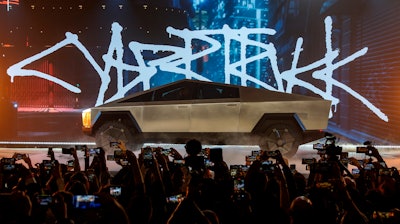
{"x":214,"y":113}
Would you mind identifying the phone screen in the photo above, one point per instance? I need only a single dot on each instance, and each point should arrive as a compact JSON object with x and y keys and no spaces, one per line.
{"x":115,"y":190}
{"x":147,"y":153}
{"x":85,"y":201}
{"x":175,"y":198}
{"x":44,"y":200}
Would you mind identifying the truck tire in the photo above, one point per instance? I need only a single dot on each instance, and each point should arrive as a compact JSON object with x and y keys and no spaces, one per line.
{"x":114,"y":131}
{"x":284,"y":137}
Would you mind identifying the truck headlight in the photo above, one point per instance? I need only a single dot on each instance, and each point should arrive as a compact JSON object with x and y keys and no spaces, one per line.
{"x":87,"y":118}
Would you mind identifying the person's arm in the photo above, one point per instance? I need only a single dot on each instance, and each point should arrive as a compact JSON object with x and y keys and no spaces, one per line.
{"x":348,"y":204}
{"x":284,"y":192}
{"x":165,"y":173}
{"x":77,"y":166}
{"x":375,"y":153}
{"x":137,"y":173}
{"x":56,"y":176}
{"x":30,"y":178}
{"x":187,"y":212}
{"x":175,"y":154}
{"x":28,"y":161}
{"x":288,"y":176}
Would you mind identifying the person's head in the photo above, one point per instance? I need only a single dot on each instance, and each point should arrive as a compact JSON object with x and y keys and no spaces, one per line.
{"x":80,"y":176}
{"x":301,"y":210}
{"x":61,"y":205}
{"x":301,"y":182}
{"x":76,"y":188}
{"x":193,"y":147}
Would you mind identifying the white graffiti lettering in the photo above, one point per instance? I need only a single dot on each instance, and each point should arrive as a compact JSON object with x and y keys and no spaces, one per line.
{"x":180,"y":58}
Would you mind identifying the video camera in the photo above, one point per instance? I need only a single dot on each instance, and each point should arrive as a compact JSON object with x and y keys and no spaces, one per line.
{"x":367,"y":149}
{"x":328,"y":148}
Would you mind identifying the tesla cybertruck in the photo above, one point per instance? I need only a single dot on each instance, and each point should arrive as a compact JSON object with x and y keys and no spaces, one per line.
{"x":214,"y":113}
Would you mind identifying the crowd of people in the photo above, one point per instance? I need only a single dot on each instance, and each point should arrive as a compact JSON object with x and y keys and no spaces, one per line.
{"x":162,"y":186}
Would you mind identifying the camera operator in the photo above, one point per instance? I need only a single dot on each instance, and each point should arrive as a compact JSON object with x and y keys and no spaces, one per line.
{"x":327,"y":188}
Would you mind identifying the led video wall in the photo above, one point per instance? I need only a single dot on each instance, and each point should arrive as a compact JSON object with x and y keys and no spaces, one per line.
{"x":59,"y":58}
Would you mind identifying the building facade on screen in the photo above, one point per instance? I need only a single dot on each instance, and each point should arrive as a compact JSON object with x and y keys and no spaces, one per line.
{"x":57,"y":59}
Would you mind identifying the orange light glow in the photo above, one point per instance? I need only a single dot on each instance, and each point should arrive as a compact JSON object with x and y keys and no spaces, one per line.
{"x":10,"y":2}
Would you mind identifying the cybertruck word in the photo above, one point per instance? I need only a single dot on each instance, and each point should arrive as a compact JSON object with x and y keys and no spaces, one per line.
{"x":180,"y":58}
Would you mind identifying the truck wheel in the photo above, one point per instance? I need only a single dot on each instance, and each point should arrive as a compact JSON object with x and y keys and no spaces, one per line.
{"x":114,"y":131}
{"x":283,"y":137}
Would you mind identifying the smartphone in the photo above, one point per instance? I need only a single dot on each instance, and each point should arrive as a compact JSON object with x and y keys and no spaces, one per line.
{"x":44,"y":200}
{"x":307,"y":160}
{"x":118,"y":154}
{"x":362,"y":150}
{"x":110,"y":158}
{"x":234,"y":170}
{"x":47,"y":164}
{"x":179,"y":162}
{"x":94,"y":151}
{"x":292,"y":167}
{"x":238,"y":184}
{"x":250,"y":158}
{"x":114,"y":144}
{"x":355,"y":171}
{"x":175,"y":198}
{"x":271,"y":153}
{"x":124,"y":162}
{"x":319,"y":146}
{"x":115,"y":190}
{"x":83,"y":202}
{"x":166,"y":151}
{"x":147,"y":153}
{"x":70,"y":163}
{"x":368,"y":166}
{"x":268,"y":167}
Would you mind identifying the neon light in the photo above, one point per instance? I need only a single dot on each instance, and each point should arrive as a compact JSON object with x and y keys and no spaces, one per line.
{"x":180,"y":59}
